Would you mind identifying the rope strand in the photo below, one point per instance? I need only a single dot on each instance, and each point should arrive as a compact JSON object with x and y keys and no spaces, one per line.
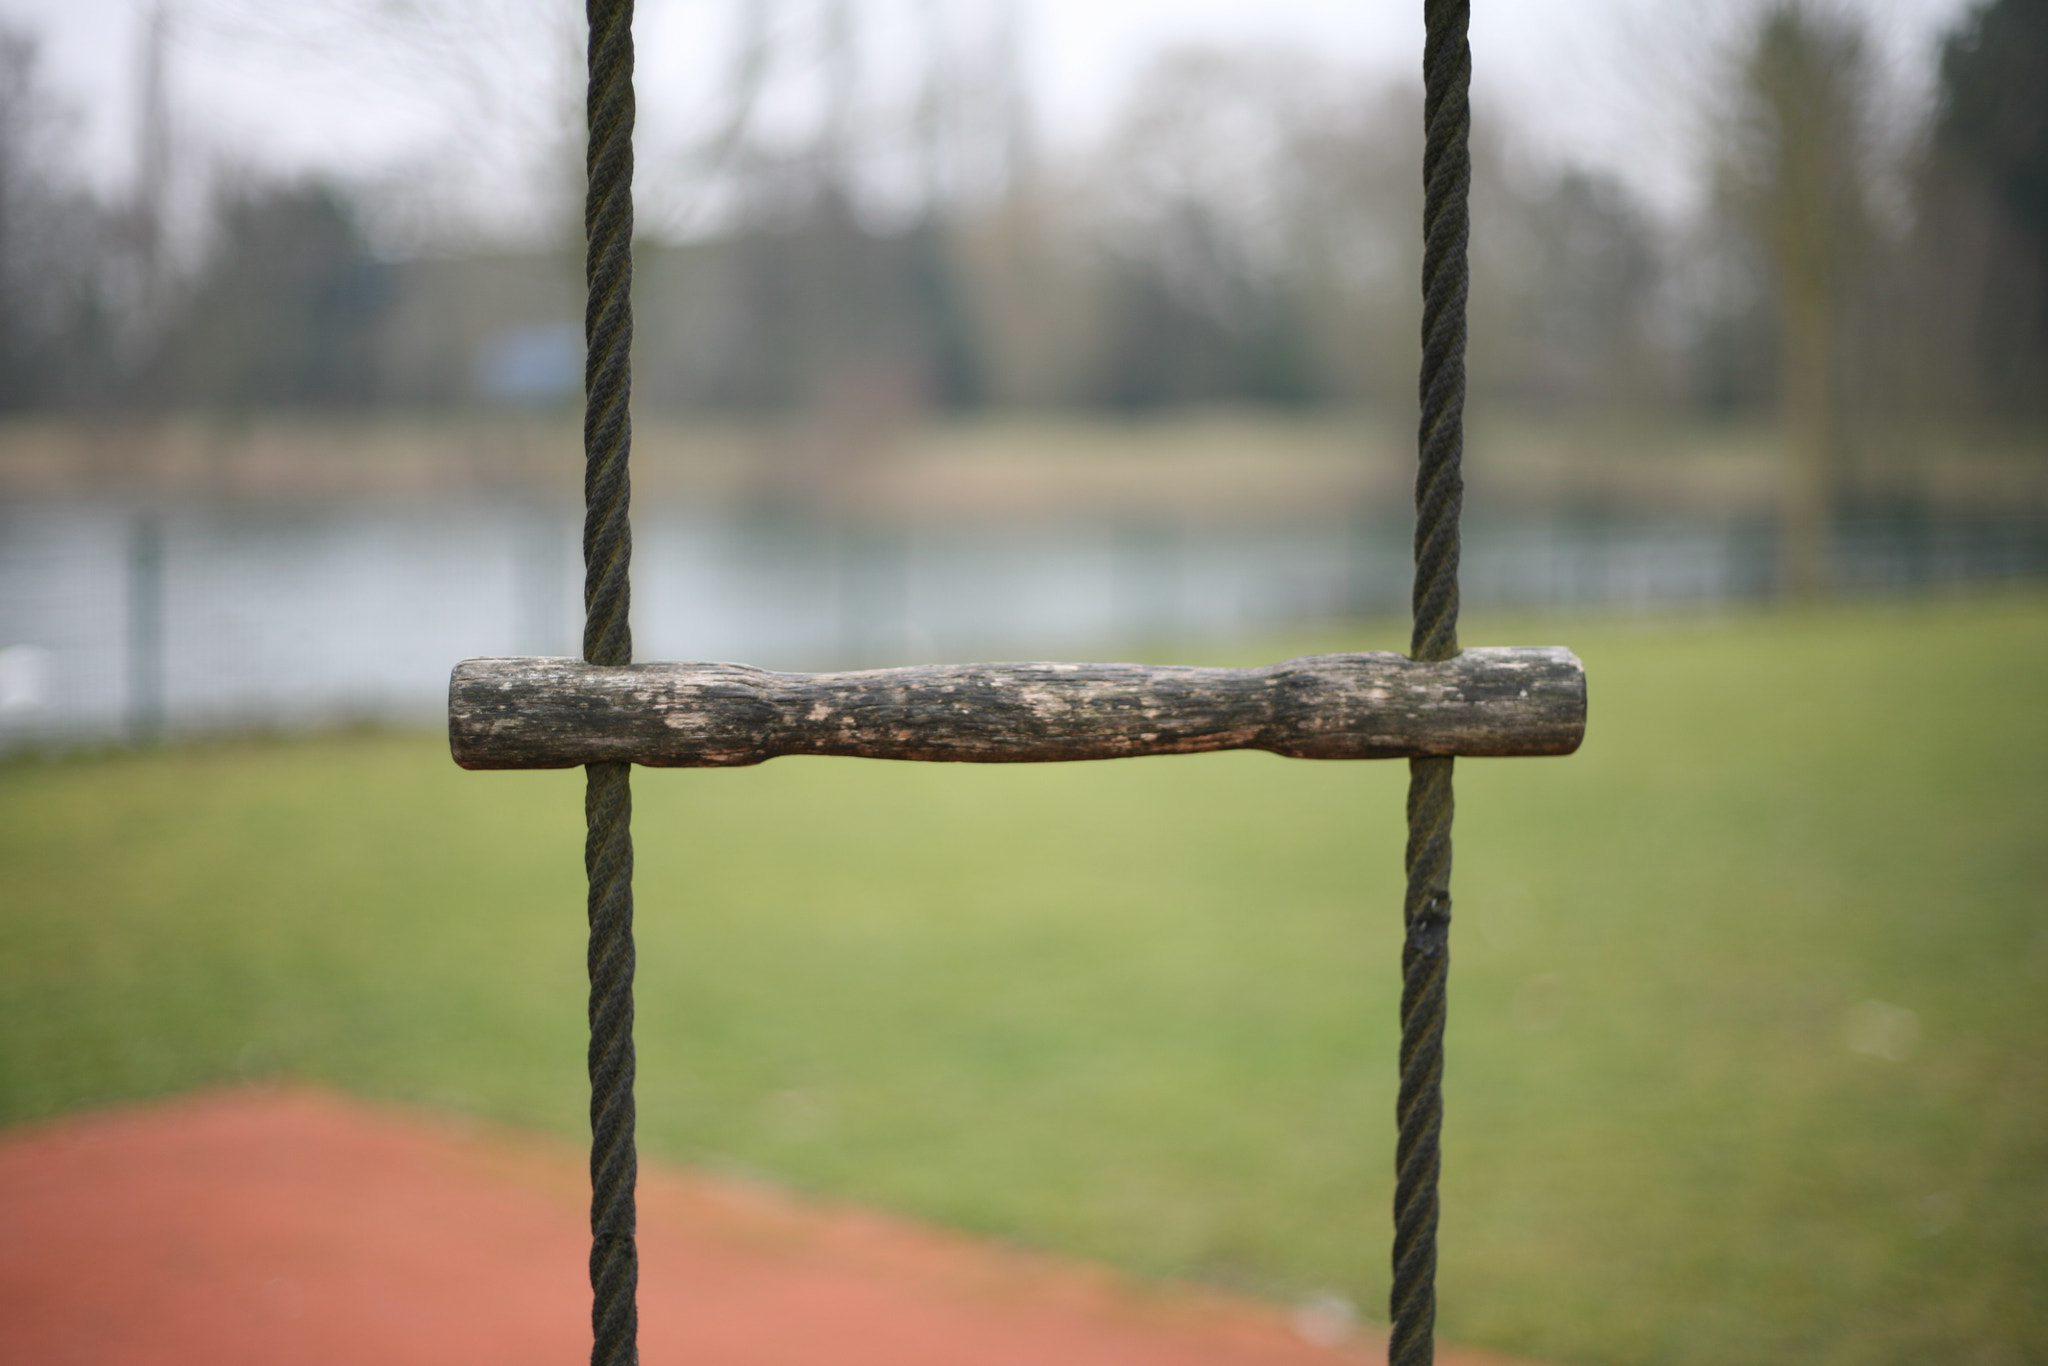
{"x":614,"y":1164}
{"x":1439,"y":498}
{"x":608,"y":336}
{"x":607,"y":639}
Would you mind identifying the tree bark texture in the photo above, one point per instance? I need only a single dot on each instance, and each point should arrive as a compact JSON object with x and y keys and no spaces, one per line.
{"x":555,"y":713}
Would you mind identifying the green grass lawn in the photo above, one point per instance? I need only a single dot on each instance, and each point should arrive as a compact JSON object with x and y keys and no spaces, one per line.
{"x":1748,"y":1055}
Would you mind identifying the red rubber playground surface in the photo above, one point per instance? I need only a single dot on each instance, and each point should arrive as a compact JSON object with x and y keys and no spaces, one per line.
{"x":291,"y":1225}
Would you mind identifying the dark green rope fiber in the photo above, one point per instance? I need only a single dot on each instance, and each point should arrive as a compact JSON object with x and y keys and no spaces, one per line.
{"x":607,"y":639}
{"x":1439,"y":497}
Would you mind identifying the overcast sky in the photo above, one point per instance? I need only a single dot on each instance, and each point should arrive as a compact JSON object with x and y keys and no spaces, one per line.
{"x":298,"y":87}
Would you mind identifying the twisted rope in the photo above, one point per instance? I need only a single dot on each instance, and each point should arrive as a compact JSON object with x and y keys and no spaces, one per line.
{"x":614,"y":1256}
{"x":607,"y":639}
{"x":1439,"y":497}
{"x":608,"y":335}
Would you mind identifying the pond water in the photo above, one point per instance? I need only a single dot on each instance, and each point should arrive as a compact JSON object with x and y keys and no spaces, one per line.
{"x":122,"y":623}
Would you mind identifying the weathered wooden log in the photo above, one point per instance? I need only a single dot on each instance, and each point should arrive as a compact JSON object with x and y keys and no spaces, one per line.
{"x":555,"y":713}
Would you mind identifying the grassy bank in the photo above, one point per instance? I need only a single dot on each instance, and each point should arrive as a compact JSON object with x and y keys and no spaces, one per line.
{"x":1749,"y":1031}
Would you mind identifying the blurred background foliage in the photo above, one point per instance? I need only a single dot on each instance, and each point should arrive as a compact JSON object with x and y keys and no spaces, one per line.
{"x":1242,"y":232}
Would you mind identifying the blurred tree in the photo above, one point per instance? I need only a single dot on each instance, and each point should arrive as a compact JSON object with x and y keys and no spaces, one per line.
{"x":285,"y":313}
{"x":1029,"y":294}
{"x":1590,"y":271}
{"x":1191,"y":320}
{"x":1732,"y":340}
{"x":499,"y":81}
{"x":1204,"y":195}
{"x":800,"y":295}
{"x":148,"y":211}
{"x":1355,"y":238}
{"x":1982,"y":240}
{"x":55,"y":325}
{"x":1261,"y":219}
{"x":1798,"y":180}
{"x":813,"y":280}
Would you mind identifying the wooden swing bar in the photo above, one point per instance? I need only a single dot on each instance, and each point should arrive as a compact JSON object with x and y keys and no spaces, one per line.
{"x":557,"y":713}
